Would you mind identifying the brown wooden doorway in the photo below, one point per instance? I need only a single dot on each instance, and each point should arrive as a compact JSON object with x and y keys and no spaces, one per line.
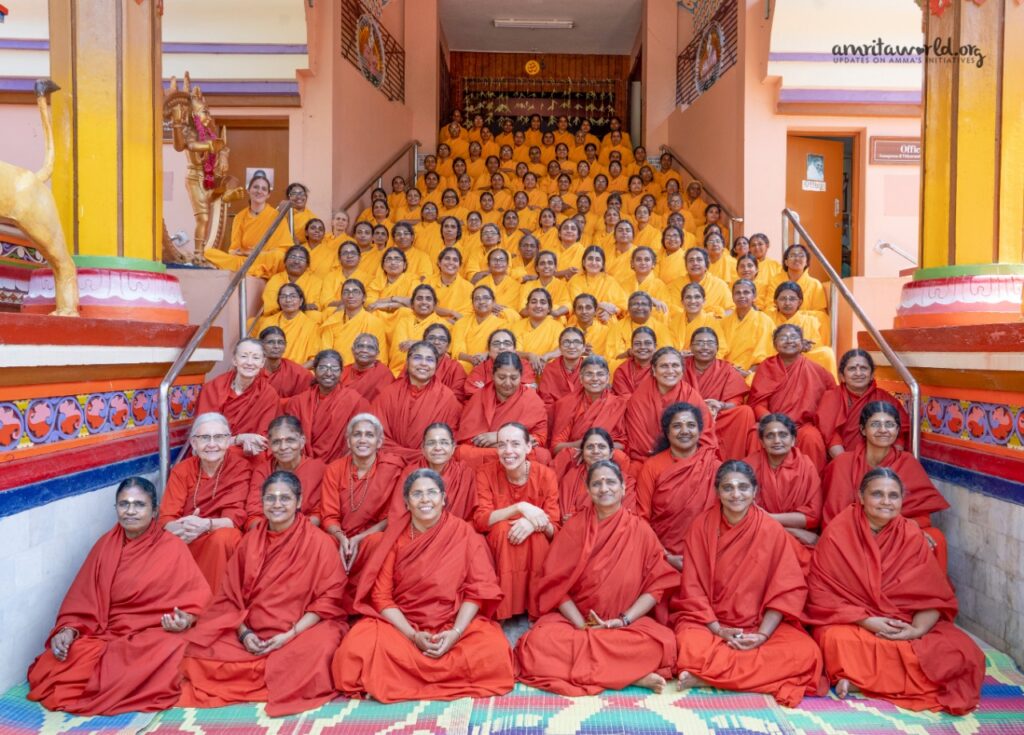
{"x":258,"y":143}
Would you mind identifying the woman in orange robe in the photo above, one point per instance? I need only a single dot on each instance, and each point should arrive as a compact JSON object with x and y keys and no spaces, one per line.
{"x":884,"y":610}
{"x":632,"y":373}
{"x":204,"y":501}
{"x":427,"y":596}
{"x":287,"y":453}
{"x":592,"y":403}
{"x":737,"y":613}
{"x":789,"y":486}
{"x":571,"y":468}
{"x":561,"y":376}
{"x":300,"y":323}
{"x":450,"y":372}
{"x":116,"y":645}
{"x":248,"y":228}
{"x":789,"y":383}
{"x":243,"y":396}
{"x":471,"y":334}
{"x":838,"y":417}
{"x":603,"y":575}
{"x":482,"y":374}
{"x":517,"y":509}
{"x":340,"y":329}
{"x":677,"y":484}
{"x":272,"y":627}
{"x":411,"y":324}
{"x":366,"y":375}
{"x":505,"y":400}
{"x":880,"y":424}
{"x":537,"y":333}
{"x":413,"y":402}
{"x":287,"y":378}
{"x":643,"y":420}
{"x":787,"y":299}
{"x":724,"y":392}
{"x":438,"y":454}
{"x":356,"y":493}
{"x":326,"y":408}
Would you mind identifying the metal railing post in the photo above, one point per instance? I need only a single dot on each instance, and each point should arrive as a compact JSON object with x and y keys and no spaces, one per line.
{"x":243,"y":299}
{"x":833,"y":314}
{"x":415,"y":163}
{"x":726,"y":210}
{"x":378,"y":177}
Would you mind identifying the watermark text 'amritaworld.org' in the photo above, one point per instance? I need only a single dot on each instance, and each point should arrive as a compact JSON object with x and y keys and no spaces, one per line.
{"x":941,"y":50}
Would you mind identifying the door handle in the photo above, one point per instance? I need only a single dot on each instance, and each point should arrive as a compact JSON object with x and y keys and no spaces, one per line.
{"x":836,"y":212}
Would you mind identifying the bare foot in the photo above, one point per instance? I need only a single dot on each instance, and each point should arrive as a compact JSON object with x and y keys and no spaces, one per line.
{"x":842,"y":688}
{"x":653,"y":681}
{"x":688,"y":680}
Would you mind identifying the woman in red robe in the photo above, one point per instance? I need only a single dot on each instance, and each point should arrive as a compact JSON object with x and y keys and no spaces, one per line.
{"x":630,"y":374}
{"x":505,"y":400}
{"x":501,"y":340}
{"x":438,"y":450}
{"x":326,"y":408}
{"x":880,"y":424}
{"x":366,"y":375}
{"x":428,"y":596}
{"x":272,"y":627}
{"x":449,"y":371}
{"x":604,"y":573}
{"x":287,"y":378}
{"x":789,"y":486}
{"x":664,"y":387}
{"x":415,"y":401}
{"x":287,"y":453}
{"x":724,"y":392}
{"x":677,"y":484}
{"x":117,"y":643}
{"x":571,"y":468}
{"x":789,"y":383}
{"x":561,"y":376}
{"x":243,"y":396}
{"x":884,"y":610}
{"x":204,"y":501}
{"x":838,"y":417}
{"x":356,"y":493}
{"x":593,"y":404}
{"x":517,"y":509}
{"x":737,"y":613}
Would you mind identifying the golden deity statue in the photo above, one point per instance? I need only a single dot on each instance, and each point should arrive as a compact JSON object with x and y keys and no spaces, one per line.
{"x":210,"y":188}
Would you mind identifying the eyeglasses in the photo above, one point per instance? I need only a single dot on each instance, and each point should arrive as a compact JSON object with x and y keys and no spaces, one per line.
{"x":125,"y":505}
{"x":328,"y":368}
{"x":703,"y":343}
{"x":288,"y":296}
{"x":432,"y":494}
{"x":361,"y":346}
{"x":205,"y":438}
{"x":572,"y":343}
{"x":351,"y":292}
{"x":882,"y":424}
{"x":502,"y":343}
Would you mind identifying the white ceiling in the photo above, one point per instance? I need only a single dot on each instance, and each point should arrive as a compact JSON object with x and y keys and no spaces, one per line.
{"x":602,"y":26}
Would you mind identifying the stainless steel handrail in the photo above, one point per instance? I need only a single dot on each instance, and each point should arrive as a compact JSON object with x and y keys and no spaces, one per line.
{"x":694,"y":174}
{"x":887,"y":350}
{"x":237,"y":282}
{"x":377,"y":177}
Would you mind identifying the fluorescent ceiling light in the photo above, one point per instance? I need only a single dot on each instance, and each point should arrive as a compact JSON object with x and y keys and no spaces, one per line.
{"x":538,"y":24}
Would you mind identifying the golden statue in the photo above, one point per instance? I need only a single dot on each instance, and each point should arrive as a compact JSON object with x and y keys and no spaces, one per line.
{"x":27,"y":203}
{"x":210,"y":187}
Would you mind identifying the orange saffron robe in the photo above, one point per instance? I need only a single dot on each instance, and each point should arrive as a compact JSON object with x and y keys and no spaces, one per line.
{"x":275,"y":578}
{"x":736,"y":427}
{"x":573,"y":494}
{"x":672,"y":491}
{"x":406,"y":411}
{"x":838,"y":416}
{"x":289,"y":379}
{"x":576,"y":412}
{"x":122,"y":659}
{"x":482,"y":375}
{"x":557,"y":381}
{"x":628,"y":376}
{"x":856,"y":574}
{"x":604,"y":566}
{"x":428,"y":578}
{"x":733,"y":575}
{"x":517,"y":565}
{"x":310,"y":473}
{"x":190,"y":491}
{"x":484,"y":412}
{"x":368,"y":383}
{"x":459,"y":489}
{"x":642,"y":419}
{"x":325,"y":419}
{"x":248,"y":413}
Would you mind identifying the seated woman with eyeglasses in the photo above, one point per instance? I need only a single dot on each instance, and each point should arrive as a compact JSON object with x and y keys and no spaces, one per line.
{"x":117,"y":643}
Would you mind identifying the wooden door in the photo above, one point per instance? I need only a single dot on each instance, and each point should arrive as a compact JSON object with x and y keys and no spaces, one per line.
{"x":814,"y":190}
{"x":257,"y":143}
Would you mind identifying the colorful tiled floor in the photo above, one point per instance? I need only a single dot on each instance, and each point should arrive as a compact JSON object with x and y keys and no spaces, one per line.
{"x":528,"y":711}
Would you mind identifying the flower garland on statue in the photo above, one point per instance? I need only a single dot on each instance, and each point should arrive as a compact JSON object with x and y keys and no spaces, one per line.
{"x":210,"y":159}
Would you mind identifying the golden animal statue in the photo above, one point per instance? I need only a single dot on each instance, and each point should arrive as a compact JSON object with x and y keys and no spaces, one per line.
{"x":210,"y":188}
{"x":27,"y":203}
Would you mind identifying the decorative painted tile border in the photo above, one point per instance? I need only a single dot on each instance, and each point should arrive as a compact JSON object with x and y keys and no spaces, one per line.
{"x":979,"y":423}
{"x":12,"y":249}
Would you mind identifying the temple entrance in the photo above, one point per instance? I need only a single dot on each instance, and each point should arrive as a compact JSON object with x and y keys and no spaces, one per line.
{"x":258,"y":143}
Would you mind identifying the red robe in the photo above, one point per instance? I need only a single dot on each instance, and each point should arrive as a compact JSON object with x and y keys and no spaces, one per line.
{"x":557,"y":382}
{"x":602,"y":566}
{"x":482,"y":375}
{"x":368,"y":383}
{"x":190,"y":492}
{"x":671,"y":492}
{"x":517,"y":565}
{"x":838,"y":416}
{"x":122,"y":659}
{"x":792,"y":487}
{"x":628,"y":376}
{"x":459,"y":489}
{"x":427,"y":578}
{"x":920,"y":498}
{"x":736,"y":428}
{"x":734,"y":575}
{"x":856,"y":574}
{"x":310,"y":473}
{"x":271,"y":582}
{"x":249,"y":413}
{"x":642,"y":419}
{"x":289,"y":379}
{"x":574,"y":413}
{"x":407,"y":411}
{"x":451,"y":374}
{"x":795,"y":391}
{"x":484,"y":412}
{"x":325,"y":419}
{"x":571,"y":471}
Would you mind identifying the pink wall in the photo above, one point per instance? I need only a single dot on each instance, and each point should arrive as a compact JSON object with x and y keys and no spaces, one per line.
{"x":658,"y":34}
{"x":22,"y":141}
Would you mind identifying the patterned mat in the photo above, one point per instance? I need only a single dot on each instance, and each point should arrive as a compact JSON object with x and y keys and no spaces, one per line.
{"x":527,"y":711}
